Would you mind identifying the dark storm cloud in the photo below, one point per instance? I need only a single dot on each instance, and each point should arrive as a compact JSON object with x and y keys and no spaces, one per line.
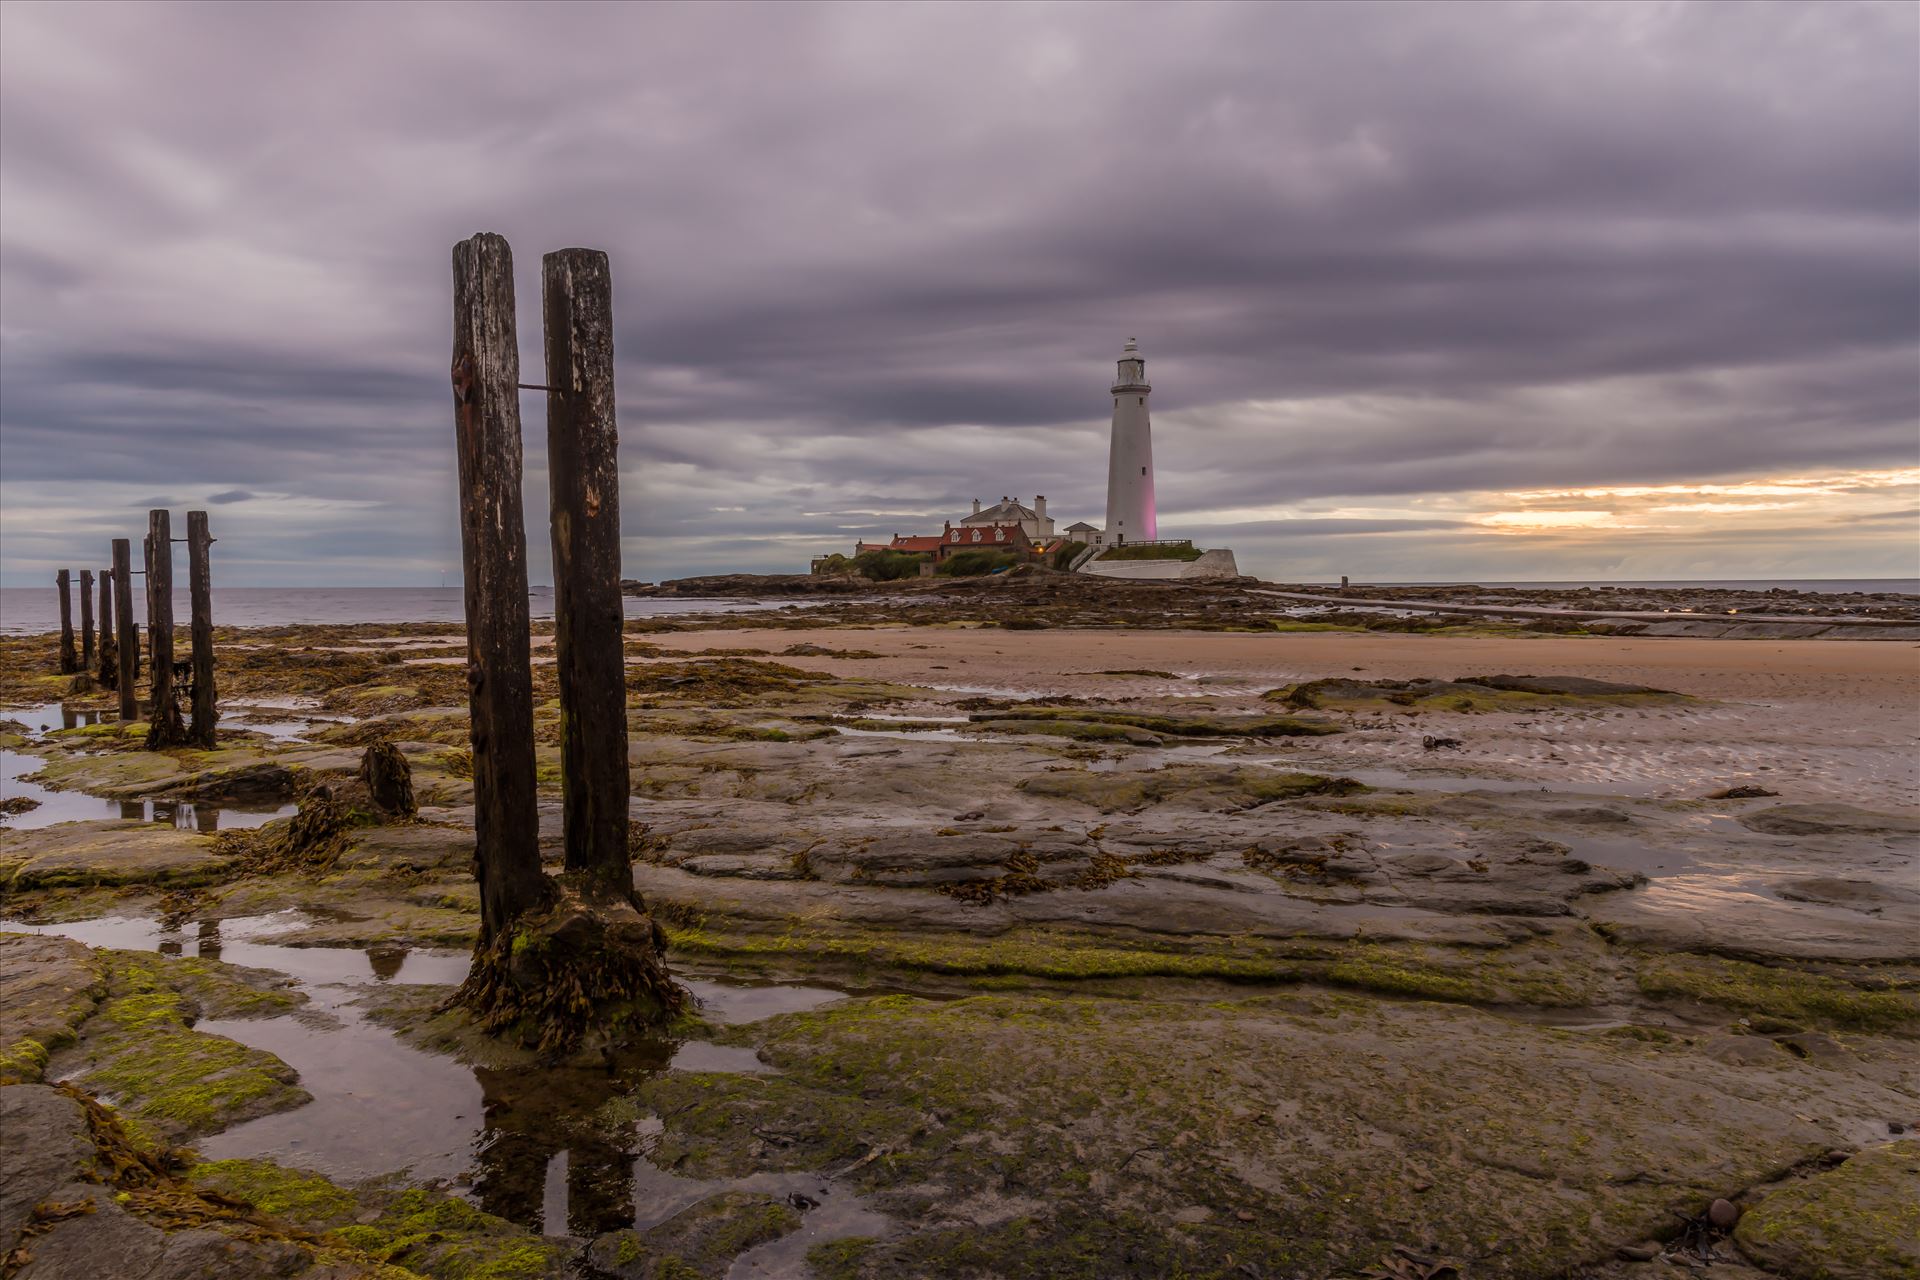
{"x":870,"y":263}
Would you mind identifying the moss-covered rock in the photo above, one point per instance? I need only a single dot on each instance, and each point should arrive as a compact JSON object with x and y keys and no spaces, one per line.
{"x":1860,"y":1221}
{"x":1469,"y":694}
{"x":1168,"y":725}
{"x":139,"y":1049}
{"x":48,"y":986}
{"x":698,"y":1242}
{"x":72,"y":854}
{"x":1201,"y":786}
{"x":416,"y":1231}
{"x":1791,"y":994}
{"x":1027,"y":1136}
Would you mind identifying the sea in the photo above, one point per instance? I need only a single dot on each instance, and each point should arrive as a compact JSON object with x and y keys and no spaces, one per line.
{"x":33,"y":610}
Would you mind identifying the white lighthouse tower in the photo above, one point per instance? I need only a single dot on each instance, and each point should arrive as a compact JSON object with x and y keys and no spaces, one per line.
{"x":1130,"y":514}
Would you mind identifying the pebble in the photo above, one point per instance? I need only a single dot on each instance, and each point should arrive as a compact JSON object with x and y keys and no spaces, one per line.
{"x":1723,"y":1214}
{"x":1639,"y":1252}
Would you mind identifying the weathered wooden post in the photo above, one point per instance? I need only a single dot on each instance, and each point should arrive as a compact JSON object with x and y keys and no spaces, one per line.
{"x":86,"y":621}
{"x":493,"y":553}
{"x":109,"y":642}
{"x":164,"y":727}
{"x":200,"y":589}
{"x":582,"y":461}
{"x":128,"y":680}
{"x":69,"y":661}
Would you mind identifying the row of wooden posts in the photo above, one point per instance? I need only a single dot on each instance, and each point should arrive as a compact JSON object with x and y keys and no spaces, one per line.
{"x":115,"y":661}
{"x":582,"y":447}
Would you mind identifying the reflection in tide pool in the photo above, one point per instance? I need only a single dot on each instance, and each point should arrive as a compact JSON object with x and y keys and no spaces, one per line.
{"x":555,"y":1148}
{"x":77,"y":806}
{"x":51,"y":806}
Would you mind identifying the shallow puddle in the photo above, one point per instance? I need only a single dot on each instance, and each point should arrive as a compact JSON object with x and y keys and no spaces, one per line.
{"x":52,"y":806}
{"x":77,"y":806}
{"x":546,"y":1147}
{"x":910,"y":735}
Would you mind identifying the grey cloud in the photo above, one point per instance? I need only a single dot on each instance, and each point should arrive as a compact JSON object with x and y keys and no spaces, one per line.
{"x":881,"y":260}
{"x":229,"y":495}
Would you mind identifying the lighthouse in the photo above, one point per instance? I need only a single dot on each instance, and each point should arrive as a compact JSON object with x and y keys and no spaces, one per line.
{"x":1130,"y":515}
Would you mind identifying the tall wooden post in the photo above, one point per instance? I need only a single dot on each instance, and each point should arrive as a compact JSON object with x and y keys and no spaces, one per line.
{"x":109,"y":642}
{"x":69,"y":661}
{"x":86,"y":621}
{"x":200,"y":588}
{"x":128,"y":681}
{"x":164,"y":727}
{"x":493,"y":552}
{"x":582,"y":448}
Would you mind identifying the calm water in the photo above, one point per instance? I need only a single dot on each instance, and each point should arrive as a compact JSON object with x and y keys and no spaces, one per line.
{"x":28,"y":610}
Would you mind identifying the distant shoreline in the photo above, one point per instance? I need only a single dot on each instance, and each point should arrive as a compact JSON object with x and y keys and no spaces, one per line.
{"x":34,"y":610}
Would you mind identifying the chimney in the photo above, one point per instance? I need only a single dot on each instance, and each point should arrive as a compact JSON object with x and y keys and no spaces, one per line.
{"x":976,"y":506}
{"x":1040,"y":506}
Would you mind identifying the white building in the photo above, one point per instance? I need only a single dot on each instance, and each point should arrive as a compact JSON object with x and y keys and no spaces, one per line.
{"x":1130,"y":511}
{"x":1081,"y":531}
{"x":1034,"y":520}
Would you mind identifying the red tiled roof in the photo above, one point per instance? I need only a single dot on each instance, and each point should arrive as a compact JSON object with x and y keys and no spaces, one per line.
{"x":990,"y":535}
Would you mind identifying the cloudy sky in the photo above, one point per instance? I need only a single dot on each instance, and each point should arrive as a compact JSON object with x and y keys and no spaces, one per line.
{"x":1427,"y":291}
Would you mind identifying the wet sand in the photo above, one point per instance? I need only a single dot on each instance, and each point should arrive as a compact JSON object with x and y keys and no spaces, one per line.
{"x":1835,"y":719}
{"x":1861,"y":671}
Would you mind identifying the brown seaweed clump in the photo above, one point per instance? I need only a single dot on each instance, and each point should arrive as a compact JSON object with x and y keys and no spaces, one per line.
{"x":590,"y":961}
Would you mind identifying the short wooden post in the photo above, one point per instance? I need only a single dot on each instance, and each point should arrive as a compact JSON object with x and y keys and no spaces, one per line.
{"x":69,"y":660}
{"x":86,"y":621}
{"x":164,"y":727}
{"x":200,"y":589}
{"x":389,"y":780}
{"x":109,"y":642}
{"x":493,"y":553}
{"x":582,"y":449}
{"x":128,"y":681}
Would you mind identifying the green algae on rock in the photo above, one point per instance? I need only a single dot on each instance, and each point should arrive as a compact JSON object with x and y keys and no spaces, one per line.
{"x":1468,"y":694}
{"x":48,"y":986}
{"x":414,"y":1231}
{"x":80,"y":1195}
{"x":1206,"y":786}
{"x":139,"y":1049}
{"x":1780,"y":992}
{"x":1306,"y":1137}
{"x":109,"y":852}
{"x":1860,"y":1221}
{"x":697,"y":1243}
